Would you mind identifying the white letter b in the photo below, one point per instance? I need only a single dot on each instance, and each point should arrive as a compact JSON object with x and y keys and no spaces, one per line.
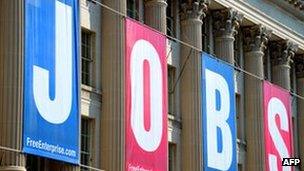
{"x":217,"y":118}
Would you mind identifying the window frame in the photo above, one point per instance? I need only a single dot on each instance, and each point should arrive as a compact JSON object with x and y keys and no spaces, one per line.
{"x":171,"y":9}
{"x":133,"y":10}
{"x":172,"y":165}
{"x":90,"y":136}
{"x":171,"y":94}
{"x":89,"y":59}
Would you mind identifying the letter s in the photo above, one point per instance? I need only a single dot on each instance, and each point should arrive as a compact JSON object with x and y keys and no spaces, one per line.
{"x":276,"y":107}
{"x":56,"y":111}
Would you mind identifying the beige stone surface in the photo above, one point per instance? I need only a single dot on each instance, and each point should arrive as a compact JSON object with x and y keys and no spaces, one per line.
{"x":11,"y":83}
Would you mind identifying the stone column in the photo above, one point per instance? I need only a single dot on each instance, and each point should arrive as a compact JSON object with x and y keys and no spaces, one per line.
{"x":282,"y":57}
{"x":11,"y":84}
{"x":190,"y":85}
{"x":226,"y":23}
{"x":155,"y":14}
{"x":255,"y":39}
{"x":300,"y":106}
{"x":282,"y":54}
{"x":112,"y":135}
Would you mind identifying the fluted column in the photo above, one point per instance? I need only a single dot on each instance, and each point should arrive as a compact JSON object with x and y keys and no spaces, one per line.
{"x":226,"y":23}
{"x":155,"y":14}
{"x":190,"y":85}
{"x":112,"y":135}
{"x":282,"y":57}
{"x":282,"y":54}
{"x":300,"y":106}
{"x":255,"y":39}
{"x":11,"y":84}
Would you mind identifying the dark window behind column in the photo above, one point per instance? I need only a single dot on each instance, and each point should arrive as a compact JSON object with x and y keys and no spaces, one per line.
{"x":172,"y":157}
{"x":87,"y":138}
{"x":86,"y":57}
{"x":171,"y":82}
{"x":34,"y":163}
{"x":133,"y":9}
{"x":171,"y":18}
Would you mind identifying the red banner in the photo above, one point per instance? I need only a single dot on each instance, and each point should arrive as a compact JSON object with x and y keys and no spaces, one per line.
{"x":146,"y":99}
{"x":278,"y":128}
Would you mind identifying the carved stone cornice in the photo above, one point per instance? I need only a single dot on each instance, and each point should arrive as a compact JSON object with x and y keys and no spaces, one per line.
{"x":297,"y":3}
{"x":256,"y":38}
{"x":194,"y":10}
{"x":282,"y":52}
{"x":299,"y":64}
{"x":226,"y":22}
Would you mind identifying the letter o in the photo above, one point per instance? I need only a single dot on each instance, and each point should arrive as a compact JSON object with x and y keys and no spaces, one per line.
{"x":141,"y":51}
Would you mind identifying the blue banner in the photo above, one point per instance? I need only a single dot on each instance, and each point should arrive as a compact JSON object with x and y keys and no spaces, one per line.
{"x":219,"y":127}
{"x":51,"y":83}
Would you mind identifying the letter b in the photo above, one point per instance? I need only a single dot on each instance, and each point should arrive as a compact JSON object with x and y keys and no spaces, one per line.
{"x":219,"y":150}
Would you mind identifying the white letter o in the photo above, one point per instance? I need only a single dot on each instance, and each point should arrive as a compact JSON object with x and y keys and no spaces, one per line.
{"x":147,"y":140}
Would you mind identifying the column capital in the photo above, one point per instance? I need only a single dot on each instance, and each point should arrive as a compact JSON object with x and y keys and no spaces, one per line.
{"x":299,"y":64}
{"x":155,"y":2}
{"x":256,"y":38}
{"x":283,"y":52}
{"x":226,"y":21}
{"x":194,"y":10}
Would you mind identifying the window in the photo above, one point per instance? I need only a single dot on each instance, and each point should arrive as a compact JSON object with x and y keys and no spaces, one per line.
{"x":207,"y":35}
{"x":293,"y":78}
{"x":172,"y":157}
{"x":170,"y":18}
{"x":133,"y":9}
{"x":295,"y":133}
{"x":86,"y":142}
{"x":171,"y":82}
{"x":238,"y":117}
{"x":34,"y":163}
{"x":267,"y":65}
{"x":86,"y":57}
{"x":240,"y":168}
{"x":238,"y":50}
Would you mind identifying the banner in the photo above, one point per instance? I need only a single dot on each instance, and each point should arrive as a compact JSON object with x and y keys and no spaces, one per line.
{"x":146,"y":99}
{"x":219,"y":115}
{"x":277,"y":126}
{"x":51,"y":81}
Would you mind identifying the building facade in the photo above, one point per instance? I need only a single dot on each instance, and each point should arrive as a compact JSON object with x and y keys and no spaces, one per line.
{"x":262,"y":39}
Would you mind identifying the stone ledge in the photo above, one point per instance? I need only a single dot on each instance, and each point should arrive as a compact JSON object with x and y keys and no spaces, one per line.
{"x":12,"y":168}
{"x":90,"y":93}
